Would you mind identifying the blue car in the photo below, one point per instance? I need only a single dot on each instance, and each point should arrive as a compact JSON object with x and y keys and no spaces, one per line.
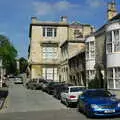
{"x":98,"y":102}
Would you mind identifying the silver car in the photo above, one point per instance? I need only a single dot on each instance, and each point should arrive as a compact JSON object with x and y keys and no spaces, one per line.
{"x":71,"y":93}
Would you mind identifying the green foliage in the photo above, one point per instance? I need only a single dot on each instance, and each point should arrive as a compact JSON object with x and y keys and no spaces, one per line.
{"x":23,"y":65}
{"x":8,"y":54}
{"x":98,"y":81}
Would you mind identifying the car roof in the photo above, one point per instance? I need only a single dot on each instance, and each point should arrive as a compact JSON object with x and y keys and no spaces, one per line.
{"x":93,"y":90}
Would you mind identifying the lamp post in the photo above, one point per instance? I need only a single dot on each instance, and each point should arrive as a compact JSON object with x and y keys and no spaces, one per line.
{"x":1,"y":72}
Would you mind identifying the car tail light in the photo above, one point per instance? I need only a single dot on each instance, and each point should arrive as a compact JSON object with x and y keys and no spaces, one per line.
{"x":72,"y":96}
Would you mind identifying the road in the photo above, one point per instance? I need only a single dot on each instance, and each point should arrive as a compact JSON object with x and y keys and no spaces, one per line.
{"x":23,"y":104}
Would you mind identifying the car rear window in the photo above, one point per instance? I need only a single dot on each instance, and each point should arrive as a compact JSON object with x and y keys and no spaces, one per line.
{"x":76,"y":89}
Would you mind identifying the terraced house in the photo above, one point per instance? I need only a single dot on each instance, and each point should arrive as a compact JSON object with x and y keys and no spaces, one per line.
{"x":107,"y":40}
{"x":44,"y":50}
{"x":46,"y":38}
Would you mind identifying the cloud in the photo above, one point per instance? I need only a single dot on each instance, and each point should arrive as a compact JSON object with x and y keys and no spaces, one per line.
{"x":95,"y":3}
{"x":45,"y":8}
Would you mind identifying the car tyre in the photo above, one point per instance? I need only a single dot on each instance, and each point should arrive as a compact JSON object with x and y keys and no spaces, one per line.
{"x":78,"y":107}
{"x":89,"y":114}
{"x":67,"y":103}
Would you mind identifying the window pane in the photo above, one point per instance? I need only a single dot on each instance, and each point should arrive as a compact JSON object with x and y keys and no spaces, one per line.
{"x":49,"y":32}
{"x":109,"y":37}
{"x":50,"y":76}
{"x":110,"y":83}
{"x":49,"y":53}
{"x":49,"y":70}
{"x":109,"y":47}
{"x":110,"y":73}
{"x":116,"y":34}
{"x":117,"y":83}
{"x":117,"y":73}
{"x":55,"y":76}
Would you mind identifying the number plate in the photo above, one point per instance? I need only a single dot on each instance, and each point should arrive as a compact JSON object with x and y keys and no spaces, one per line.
{"x":109,"y":111}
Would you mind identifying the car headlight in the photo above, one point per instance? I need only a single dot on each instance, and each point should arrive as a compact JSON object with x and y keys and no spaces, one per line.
{"x":118,"y":104}
{"x":95,"y":106}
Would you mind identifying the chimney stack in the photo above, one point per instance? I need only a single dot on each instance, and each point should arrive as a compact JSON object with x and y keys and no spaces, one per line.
{"x":111,"y":12}
{"x":34,"y":19}
{"x":64,"y":19}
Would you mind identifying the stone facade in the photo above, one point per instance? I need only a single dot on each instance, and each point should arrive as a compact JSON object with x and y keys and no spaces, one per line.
{"x":45,"y":40}
{"x":69,"y":50}
{"x":90,"y":58}
{"x":44,"y":52}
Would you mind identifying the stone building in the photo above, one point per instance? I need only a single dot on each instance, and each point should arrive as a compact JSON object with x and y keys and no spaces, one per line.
{"x":90,"y":58}
{"x":113,"y":52}
{"x":77,"y":68}
{"x":71,"y":60}
{"x":107,"y":40}
{"x":73,"y":54}
{"x":46,"y":37}
{"x":44,"y":49}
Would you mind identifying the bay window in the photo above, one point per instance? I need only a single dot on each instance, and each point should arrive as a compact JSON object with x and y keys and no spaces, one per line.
{"x":113,"y":41}
{"x":113,"y":78}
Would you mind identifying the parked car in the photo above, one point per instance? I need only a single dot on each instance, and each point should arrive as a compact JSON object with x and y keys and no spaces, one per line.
{"x":31,"y":84}
{"x":3,"y":93}
{"x":18,"y":80}
{"x":70,"y":94}
{"x":98,"y":102}
{"x":38,"y":84}
{"x":44,"y":85}
{"x":50,"y":87}
{"x":60,"y":88}
{"x":34,"y":84}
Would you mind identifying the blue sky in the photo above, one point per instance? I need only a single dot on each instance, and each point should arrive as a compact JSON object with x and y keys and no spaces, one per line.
{"x":15,"y":16}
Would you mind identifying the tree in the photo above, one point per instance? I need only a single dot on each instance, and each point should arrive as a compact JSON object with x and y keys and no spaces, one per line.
{"x":23,"y":64}
{"x":98,"y":81}
{"x":99,"y":77}
{"x":8,"y":54}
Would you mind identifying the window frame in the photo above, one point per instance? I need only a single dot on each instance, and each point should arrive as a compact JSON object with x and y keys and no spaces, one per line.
{"x":49,"y":31}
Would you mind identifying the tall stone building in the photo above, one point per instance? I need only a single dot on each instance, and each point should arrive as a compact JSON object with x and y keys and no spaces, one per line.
{"x":72,"y":62}
{"x":44,"y":49}
{"x":107,"y":40}
{"x":90,"y":58}
{"x":46,"y":38}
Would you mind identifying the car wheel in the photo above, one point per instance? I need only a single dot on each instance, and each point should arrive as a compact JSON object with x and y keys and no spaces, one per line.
{"x":78,"y":107}
{"x":89,"y":114}
{"x":61,"y":100}
{"x":67,"y":103}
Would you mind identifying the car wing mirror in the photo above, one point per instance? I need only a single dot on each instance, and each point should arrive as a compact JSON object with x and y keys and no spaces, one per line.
{"x":82,"y":97}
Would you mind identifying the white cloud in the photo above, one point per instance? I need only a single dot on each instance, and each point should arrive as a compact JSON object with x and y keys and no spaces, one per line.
{"x":45,"y":8}
{"x":95,"y":3}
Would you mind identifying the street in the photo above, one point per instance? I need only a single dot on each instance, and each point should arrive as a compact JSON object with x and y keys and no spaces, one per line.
{"x":24,"y":104}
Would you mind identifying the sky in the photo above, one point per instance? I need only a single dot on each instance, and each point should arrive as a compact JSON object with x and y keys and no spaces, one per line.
{"x":15,"y":16}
